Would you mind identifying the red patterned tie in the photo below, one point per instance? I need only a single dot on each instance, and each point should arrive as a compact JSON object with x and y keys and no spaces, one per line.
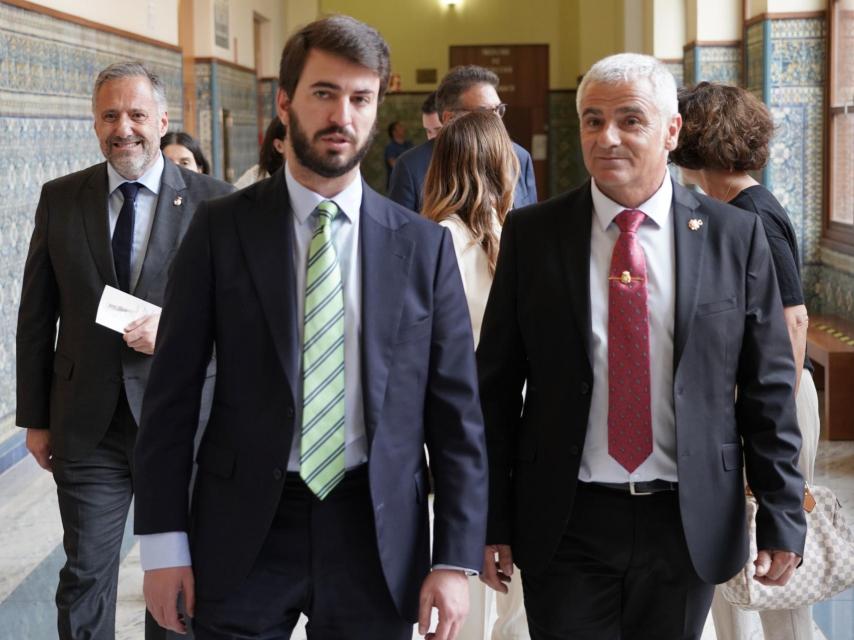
{"x":629,"y":413}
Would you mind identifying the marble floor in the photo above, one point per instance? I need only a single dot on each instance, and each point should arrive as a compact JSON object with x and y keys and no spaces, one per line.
{"x":31,"y":556}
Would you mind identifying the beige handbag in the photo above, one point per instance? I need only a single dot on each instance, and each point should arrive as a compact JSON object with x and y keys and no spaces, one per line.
{"x":828,"y":565}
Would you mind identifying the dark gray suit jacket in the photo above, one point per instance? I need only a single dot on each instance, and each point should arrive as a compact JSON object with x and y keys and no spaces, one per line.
{"x":728,"y":330}
{"x":70,"y":382}
{"x":406,"y":187}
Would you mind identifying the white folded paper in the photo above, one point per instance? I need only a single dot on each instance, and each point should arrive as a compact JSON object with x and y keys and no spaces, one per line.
{"x":118,"y":309}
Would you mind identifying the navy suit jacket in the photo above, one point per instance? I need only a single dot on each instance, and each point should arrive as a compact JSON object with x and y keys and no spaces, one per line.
{"x":728,"y":330}
{"x":233,"y":286}
{"x":407,"y":179}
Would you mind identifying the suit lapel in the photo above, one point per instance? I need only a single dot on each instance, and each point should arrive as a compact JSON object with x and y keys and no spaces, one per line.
{"x":169,"y":220}
{"x":96,"y":220}
{"x":385,"y":260}
{"x":574,"y":220}
{"x":690,"y":231}
{"x":265,"y":228}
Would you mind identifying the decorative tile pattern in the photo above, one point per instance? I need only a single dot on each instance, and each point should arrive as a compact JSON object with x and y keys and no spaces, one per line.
{"x":267,"y":89}
{"x":566,"y":166}
{"x":222,"y":88}
{"x":47,"y":69}
{"x":719,"y":64}
{"x":677,"y":69}
{"x":755,"y":59}
{"x":792,"y":80}
{"x":689,"y":65}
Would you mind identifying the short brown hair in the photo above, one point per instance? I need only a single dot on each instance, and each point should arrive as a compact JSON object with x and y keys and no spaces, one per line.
{"x":338,"y":35}
{"x":473,"y":174}
{"x":723,"y":127}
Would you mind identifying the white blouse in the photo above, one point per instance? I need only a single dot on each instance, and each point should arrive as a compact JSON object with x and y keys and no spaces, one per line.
{"x":474,"y":269}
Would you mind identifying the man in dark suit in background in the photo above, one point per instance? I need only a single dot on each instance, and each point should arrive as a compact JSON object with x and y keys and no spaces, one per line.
{"x":343,"y":345}
{"x":117,"y":223}
{"x":463,"y":89}
{"x":632,"y":308}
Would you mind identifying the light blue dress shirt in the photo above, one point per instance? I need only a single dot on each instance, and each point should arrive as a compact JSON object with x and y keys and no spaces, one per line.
{"x":144,"y":210}
{"x":171,"y":549}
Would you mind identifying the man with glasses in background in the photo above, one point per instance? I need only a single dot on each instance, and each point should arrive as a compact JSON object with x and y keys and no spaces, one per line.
{"x":463,"y":89}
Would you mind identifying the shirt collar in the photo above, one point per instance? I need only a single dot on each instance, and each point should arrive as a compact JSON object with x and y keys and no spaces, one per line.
{"x":657,"y":208}
{"x":150,"y":179}
{"x":304,"y":201}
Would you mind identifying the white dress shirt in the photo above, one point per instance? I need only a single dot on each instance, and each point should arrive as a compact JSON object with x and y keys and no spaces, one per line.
{"x":144,"y":209}
{"x":656,"y":238}
{"x":171,"y":549}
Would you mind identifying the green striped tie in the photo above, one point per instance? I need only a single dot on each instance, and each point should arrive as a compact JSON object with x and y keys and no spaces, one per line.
{"x":322,"y":444}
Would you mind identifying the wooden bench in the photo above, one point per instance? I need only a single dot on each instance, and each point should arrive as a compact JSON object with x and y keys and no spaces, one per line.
{"x":830,"y":345}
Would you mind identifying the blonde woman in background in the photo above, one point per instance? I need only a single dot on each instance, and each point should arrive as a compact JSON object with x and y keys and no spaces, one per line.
{"x":469,"y":189}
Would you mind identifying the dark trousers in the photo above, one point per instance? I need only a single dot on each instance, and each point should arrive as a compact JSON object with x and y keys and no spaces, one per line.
{"x":320,"y":558}
{"x":94,"y":496}
{"x":621,"y":572}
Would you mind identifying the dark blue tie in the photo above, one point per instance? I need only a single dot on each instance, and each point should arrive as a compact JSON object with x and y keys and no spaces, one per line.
{"x":123,"y":234}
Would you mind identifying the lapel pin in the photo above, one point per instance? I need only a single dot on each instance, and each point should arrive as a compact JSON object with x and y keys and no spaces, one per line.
{"x":694,"y":224}
{"x":177,"y":202}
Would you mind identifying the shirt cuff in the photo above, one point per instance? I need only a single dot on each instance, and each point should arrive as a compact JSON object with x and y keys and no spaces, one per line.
{"x":450,"y":567}
{"x":162,"y":550}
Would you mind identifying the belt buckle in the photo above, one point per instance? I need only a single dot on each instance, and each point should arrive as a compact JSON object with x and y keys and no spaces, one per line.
{"x":634,"y":492}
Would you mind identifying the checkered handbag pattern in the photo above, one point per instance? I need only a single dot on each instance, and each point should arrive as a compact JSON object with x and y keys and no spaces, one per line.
{"x":828,"y":566}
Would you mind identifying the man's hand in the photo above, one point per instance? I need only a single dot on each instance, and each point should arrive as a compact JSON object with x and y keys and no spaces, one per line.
{"x":161,"y":588}
{"x":38,"y":443}
{"x":141,"y":334}
{"x":775,"y":568}
{"x":448,"y":591}
{"x":497,"y":571}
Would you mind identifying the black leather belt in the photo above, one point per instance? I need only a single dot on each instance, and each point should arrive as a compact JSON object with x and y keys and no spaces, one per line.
{"x":637,"y":488}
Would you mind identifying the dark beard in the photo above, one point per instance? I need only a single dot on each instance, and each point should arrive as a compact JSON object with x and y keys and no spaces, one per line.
{"x":327,"y":166}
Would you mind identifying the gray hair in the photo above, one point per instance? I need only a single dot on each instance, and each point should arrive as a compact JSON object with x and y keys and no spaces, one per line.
{"x":131,"y":69}
{"x":627,"y":68}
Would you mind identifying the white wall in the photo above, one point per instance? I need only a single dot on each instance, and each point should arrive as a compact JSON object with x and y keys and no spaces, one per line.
{"x":241,"y":25}
{"x":157,"y":19}
{"x":718,"y":20}
{"x":668,"y":28}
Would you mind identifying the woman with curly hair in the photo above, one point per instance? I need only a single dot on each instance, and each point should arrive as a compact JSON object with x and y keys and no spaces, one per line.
{"x":725,"y":134}
{"x":469,"y":189}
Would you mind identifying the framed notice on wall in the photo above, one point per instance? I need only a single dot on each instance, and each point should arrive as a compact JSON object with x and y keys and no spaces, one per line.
{"x":221,"y":23}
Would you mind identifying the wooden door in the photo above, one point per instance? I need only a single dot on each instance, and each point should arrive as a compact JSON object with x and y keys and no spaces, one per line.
{"x":523,"y":72}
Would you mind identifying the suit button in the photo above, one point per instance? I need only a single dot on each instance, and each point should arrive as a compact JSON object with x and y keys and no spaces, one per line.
{"x":277,"y":474}
{"x":573,"y":450}
{"x":290,"y":412}
{"x":584,"y":388}
{"x":679,"y":390}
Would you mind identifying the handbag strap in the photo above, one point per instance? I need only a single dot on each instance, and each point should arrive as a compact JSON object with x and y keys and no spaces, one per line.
{"x":809,"y":499}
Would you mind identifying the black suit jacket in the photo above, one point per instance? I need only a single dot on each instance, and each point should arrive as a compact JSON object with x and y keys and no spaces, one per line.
{"x":729,"y":331}
{"x":406,"y":186}
{"x":70,"y":383}
{"x":233,"y":287}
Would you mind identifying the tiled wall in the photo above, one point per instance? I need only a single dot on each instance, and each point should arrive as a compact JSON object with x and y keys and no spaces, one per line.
{"x":566,"y":167}
{"x":713,"y":63}
{"x":219,"y":88}
{"x":47,"y":69}
{"x":786,"y":66}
